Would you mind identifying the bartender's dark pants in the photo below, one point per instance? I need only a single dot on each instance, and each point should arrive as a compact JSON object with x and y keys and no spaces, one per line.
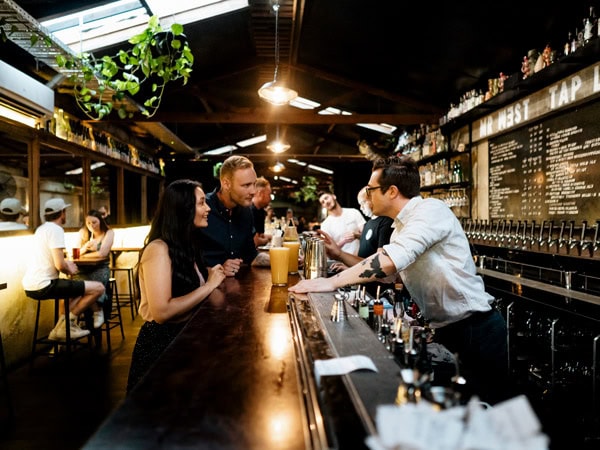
{"x":481,"y":343}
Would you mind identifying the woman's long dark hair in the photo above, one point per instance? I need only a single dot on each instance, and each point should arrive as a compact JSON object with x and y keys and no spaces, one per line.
{"x":103,"y":225}
{"x":173,"y":222}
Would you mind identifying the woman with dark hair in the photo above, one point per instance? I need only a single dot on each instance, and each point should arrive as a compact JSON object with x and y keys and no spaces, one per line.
{"x":95,"y":241}
{"x":172,"y":277}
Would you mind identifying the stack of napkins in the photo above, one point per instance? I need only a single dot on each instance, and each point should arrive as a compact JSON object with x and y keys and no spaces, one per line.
{"x":508,"y":425}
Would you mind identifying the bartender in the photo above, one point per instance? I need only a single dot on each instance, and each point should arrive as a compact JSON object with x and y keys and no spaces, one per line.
{"x":429,"y":250}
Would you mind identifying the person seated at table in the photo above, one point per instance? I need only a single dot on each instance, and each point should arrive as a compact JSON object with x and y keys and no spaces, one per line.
{"x":10,"y":213}
{"x":173,"y":279}
{"x":95,"y":241}
{"x":47,"y":260}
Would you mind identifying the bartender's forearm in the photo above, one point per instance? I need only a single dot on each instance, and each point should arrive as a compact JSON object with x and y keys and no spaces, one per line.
{"x":375,"y":267}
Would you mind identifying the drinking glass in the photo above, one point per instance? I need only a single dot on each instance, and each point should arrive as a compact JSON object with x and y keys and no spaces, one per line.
{"x":279,"y":257}
{"x":294,"y":247}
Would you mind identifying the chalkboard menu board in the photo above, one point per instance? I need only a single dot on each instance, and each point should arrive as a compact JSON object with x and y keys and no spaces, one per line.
{"x":549,"y":170}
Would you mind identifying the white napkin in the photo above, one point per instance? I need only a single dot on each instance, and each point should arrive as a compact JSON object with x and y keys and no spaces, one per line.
{"x":510,"y":425}
{"x":341,"y":366}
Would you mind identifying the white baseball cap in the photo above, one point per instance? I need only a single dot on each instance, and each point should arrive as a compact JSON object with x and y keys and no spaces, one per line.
{"x":12,"y":206}
{"x":55,"y":205}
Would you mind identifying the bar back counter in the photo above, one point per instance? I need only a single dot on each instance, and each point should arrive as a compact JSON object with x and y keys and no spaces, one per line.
{"x":240,"y":376}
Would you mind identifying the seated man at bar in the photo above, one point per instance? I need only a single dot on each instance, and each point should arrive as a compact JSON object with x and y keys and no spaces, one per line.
{"x":229,"y":237}
{"x":260,"y":201}
{"x":430,"y":251}
{"x":10,"y":212}
{"x":47,"y":261}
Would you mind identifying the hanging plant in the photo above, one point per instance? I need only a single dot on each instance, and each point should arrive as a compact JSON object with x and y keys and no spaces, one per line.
{"x":308,"y":190}
{"x":155,"y":58}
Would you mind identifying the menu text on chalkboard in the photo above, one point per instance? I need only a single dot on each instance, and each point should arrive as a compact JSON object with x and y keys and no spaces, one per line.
{"x":549,"y":170}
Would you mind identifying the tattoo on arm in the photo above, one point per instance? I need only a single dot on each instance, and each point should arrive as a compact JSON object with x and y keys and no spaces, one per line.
{"x":374,"y":270}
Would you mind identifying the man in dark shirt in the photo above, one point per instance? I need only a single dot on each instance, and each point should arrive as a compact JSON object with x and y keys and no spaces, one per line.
{"x":260,"y":201}
{"x":229,"y":237}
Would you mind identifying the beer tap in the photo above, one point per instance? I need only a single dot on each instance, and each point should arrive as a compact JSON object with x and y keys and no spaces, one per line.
{"x":493,"y":232}
{"x":486,"y":230}
{"x":561,"y":235}
{"x":500,"y":231}
{"x":541,"y":235}
{"x":506,"y":234}
{"x":596,"y":242}
{"x":467,"y":227}
{"x":551,"y":241}
{"x":524,"y":235}
{"x":583,"y":242}
{"x":477,"y":229}
{"x":515,"y":234}
{"x":532,"y":239}
{"x":572,"y":243}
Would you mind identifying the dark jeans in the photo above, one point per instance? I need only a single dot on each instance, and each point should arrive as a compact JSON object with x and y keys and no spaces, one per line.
{"x":481,"y":343}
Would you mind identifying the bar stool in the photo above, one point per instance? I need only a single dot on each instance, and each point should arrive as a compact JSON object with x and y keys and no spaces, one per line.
{"x":51,"y":347}
{"x":112,"y":312}
{"x":128,"y":298}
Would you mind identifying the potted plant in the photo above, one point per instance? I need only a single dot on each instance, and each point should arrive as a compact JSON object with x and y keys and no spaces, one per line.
{"x":155,"y":58}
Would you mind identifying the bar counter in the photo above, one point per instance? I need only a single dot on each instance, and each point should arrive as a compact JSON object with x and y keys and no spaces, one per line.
{"x":240,"y":376}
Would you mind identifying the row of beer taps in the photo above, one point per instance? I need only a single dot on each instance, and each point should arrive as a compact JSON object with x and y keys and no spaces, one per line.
{"x":564,"y":237}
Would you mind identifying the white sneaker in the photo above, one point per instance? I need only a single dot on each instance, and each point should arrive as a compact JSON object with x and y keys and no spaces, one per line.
{"x":98,"y":318}
{"x":54,"y":334}
{"x":59,"y":333}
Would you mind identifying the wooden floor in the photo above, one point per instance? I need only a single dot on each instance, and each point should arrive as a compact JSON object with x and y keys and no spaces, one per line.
{"x":61,"y":403}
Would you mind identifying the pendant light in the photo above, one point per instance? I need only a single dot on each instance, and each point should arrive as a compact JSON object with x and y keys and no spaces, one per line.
{"x":278,"y":145}
{"x":274,"y":91}
{"x":278,"y":167}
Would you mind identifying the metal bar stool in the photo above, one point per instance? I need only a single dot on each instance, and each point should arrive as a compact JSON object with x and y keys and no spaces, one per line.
{"x":126,"y":298}
{"x":51,"y":347}
{"x":112,"y":311}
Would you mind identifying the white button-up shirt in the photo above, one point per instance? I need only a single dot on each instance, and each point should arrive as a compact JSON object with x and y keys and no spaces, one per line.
{"x":431,"y":252}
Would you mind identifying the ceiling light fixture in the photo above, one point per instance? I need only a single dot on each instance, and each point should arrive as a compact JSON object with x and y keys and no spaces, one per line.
{"x":277,"y":167}
{"x":278,"y":145}
{"x":274,"y":91}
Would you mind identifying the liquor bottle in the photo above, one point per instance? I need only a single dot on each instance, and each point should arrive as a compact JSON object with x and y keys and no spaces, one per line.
{"x":574,"y":43}
{"x":378,"y":315}
{"x":567,"y":46}
{"x":588,"y":25}
{"x":423,"y":364}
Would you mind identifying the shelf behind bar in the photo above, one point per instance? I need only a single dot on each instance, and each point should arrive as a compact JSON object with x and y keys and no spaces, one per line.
{"x":567,"y":293}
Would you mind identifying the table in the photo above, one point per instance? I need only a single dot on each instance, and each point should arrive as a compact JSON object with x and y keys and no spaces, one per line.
{"x":90,"y":260}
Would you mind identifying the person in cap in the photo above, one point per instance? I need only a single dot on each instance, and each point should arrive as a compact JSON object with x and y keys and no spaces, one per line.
{"x":10,"y":211}
{"x":42,"y":277}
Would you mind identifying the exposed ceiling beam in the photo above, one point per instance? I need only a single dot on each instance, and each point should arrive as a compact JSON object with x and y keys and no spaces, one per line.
{"x":288,"y":118}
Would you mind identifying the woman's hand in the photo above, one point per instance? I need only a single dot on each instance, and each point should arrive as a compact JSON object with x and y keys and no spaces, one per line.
{"x":216,"y":275}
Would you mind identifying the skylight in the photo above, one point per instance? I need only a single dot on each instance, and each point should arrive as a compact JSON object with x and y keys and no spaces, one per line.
{"x":115,"y":22}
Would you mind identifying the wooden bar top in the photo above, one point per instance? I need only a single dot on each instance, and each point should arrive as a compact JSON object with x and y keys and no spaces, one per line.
{"x":228,"y":381}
